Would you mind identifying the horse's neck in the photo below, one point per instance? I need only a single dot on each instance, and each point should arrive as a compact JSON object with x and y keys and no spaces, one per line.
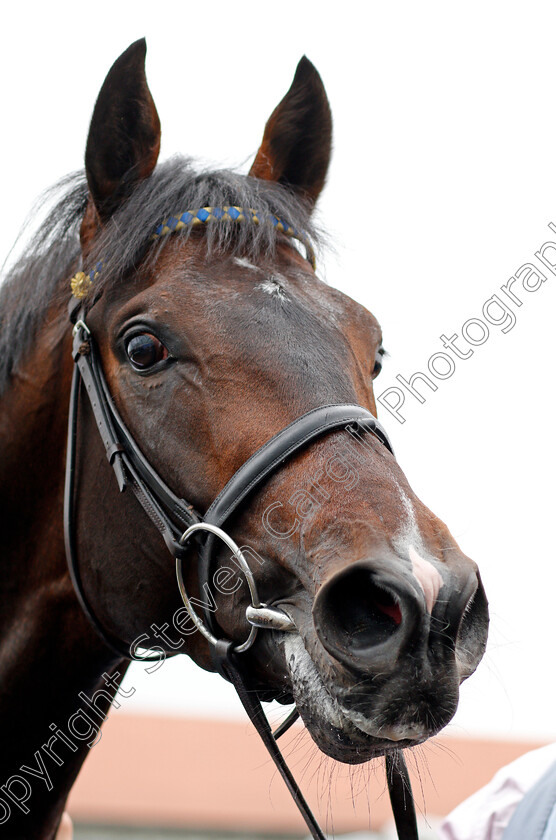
{"x":33,"y":412}
{"x":48,"y":652}
{"x":33,"y":417}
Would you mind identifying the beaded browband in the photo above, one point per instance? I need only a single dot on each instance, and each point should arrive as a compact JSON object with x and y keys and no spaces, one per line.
{"x":82,"y":282}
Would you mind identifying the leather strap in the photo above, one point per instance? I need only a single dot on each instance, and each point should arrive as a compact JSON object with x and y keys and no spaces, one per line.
{"x":114,"y":644}
{"x":254,"y":709}
{"x":401,"y":797}
{"x":120,"y":446}
{"x":131,"y":470}
{"x":282,"y":446}
{"x":270,"y":457}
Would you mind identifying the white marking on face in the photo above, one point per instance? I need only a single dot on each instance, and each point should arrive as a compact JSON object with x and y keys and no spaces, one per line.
{"x":411,"y":529}
{"x":428,"y":578}
{"x":243,"y":263}
{"x":274,"y":286}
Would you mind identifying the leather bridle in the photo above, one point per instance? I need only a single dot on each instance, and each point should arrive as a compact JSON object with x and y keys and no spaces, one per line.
{"x":178,"y":521}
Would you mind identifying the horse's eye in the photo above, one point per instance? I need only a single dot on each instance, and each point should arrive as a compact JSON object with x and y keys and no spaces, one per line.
{"x":380,"y":353}
{"x":378,"y":362}
{"x":145,"y":350}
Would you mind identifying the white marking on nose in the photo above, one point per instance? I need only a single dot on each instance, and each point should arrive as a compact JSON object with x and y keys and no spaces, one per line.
{"x":428,"y":578}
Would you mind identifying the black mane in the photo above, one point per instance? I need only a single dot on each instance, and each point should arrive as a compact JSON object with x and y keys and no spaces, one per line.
{"x":41,"y":277}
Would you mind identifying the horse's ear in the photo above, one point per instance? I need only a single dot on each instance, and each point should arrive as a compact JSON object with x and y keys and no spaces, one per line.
{"x":124,"y":136}
{"x":297,"y":140}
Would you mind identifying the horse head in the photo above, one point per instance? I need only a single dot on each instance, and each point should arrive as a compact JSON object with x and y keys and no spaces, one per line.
{"x":210,"y":345}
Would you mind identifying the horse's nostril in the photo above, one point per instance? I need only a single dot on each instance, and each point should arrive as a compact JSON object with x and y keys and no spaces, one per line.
{"x":386,"y":604}
{"x":353,"y":612}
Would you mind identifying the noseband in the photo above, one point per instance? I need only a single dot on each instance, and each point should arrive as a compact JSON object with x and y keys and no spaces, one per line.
{"x":179,"y":522}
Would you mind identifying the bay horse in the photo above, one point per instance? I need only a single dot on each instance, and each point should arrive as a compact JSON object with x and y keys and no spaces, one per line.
{"x":223,"y":377}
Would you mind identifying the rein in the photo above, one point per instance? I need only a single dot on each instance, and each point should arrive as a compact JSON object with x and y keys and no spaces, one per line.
{"x":178,"y":521}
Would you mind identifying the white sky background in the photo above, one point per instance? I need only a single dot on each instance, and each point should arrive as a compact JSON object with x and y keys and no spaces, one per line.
{"x":442,"y":183}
